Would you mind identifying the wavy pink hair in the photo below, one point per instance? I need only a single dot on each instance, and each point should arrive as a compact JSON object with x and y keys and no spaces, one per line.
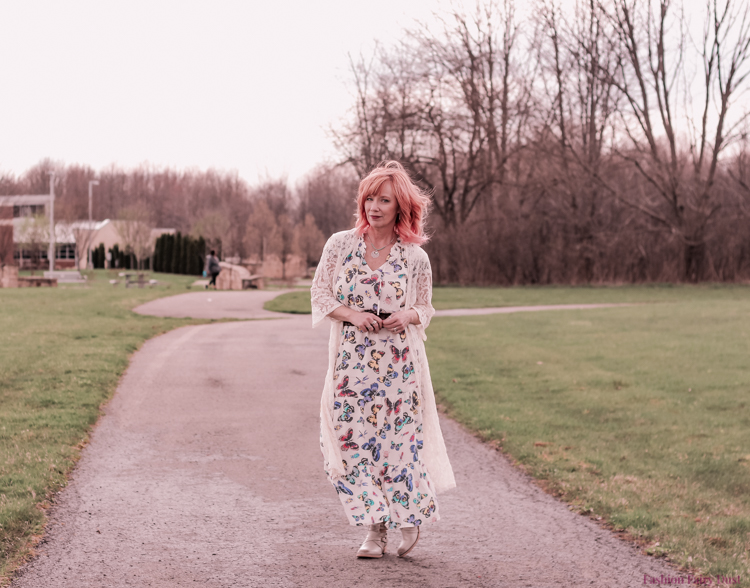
{"x":413,"y":203}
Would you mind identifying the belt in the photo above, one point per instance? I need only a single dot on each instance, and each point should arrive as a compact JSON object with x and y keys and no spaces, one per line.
{"x":383,"y":315}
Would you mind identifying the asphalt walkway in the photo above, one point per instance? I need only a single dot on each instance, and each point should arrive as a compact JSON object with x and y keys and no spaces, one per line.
{"x":205,"y":471}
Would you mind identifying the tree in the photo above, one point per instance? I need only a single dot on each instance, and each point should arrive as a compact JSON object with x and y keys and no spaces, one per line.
{"x":213,"y":227}
{"x":310,"y":240}
{"x":262,"y":234}
{"x":135,"y":227}
{"x":651,"y":40}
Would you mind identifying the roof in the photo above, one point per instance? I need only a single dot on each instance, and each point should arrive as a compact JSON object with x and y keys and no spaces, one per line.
{"x":24,"y":200}
{"x":66,"y":232}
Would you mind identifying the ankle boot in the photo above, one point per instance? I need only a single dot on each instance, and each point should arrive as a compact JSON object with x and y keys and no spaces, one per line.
{"x":375,"y":542}
{"x":409,"y":538}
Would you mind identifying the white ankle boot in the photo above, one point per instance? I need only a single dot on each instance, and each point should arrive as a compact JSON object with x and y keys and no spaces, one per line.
{"x":375,"y":542}
{"x":409,"y":538}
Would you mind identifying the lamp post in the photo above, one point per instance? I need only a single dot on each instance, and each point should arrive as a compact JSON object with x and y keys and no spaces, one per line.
{"x":92,"y":183}
{"x":52,"y":248}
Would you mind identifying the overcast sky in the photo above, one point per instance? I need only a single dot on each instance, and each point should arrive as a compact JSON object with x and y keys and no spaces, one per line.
{"x":249,"y":85}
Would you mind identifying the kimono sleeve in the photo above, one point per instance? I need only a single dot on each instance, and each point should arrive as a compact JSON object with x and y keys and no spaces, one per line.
{"x":423,"y":281}
{"x":321,"y":293}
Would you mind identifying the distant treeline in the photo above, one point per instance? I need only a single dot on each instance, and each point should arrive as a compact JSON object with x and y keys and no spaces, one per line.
{"x":233,"y":217}
{"x":596,"y":143}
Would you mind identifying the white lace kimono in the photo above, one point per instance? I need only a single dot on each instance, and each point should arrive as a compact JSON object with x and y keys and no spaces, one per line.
{"x":418,"y":297}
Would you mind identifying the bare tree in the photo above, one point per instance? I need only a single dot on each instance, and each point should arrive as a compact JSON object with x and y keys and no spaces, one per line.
{"x":309,"y":240}
{"x":213,"y":227}
{"x":653,"y":44}
{"x":135,"y":226}
{"x":262,"y":234}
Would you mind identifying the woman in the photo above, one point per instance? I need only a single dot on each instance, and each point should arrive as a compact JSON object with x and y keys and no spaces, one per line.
{"x":380,"y":436}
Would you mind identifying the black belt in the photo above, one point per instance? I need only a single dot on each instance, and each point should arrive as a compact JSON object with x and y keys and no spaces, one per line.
{"x":382,"y":315}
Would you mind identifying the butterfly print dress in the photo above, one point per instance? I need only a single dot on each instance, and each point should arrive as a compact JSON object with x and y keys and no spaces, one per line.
{"x":376,"y":403}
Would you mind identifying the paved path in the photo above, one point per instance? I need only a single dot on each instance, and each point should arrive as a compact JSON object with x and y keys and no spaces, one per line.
{"x":213,"y":304}
{"x":205,"y":471}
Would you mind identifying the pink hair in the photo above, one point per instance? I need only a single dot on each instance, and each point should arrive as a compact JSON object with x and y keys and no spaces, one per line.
{"x":413,"y":203}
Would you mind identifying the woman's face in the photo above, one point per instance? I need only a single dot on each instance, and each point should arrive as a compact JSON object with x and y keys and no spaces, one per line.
{"x":381,"y":209}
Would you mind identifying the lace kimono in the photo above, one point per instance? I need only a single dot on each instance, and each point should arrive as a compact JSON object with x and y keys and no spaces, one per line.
{"x":380,"y":434}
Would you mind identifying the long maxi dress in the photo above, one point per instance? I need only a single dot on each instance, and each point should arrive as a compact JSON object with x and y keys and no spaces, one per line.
{"x":375,"y":398}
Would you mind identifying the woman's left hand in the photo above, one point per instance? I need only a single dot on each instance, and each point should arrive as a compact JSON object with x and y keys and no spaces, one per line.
{"x":398,"y":321}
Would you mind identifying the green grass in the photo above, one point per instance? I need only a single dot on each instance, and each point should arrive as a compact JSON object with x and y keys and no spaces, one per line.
{"x":63,"y":351}
{"x":638,"y":415}
{"x":446,"y":297}
{"x":291,"y":302}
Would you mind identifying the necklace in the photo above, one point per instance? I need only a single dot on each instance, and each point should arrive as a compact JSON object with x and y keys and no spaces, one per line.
{"x":376,"y":252}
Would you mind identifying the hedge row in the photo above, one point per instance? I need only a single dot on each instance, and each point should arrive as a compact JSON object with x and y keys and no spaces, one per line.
{"x":179,"y":254}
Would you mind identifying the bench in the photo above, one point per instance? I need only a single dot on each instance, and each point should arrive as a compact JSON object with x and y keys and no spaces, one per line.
{"x":138,"y":280}
{"x":36,"y":282}
{"x":65,"y":277}
{"x":254,"y":282}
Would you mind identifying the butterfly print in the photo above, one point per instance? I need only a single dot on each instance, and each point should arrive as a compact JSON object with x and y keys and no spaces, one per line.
{"x":414,"y":402}
{"x":381,"y":441}
{"x":344,"y":361}
{"x":347,"y":259}
{"x":400,"y":477}
{"x":346,"y":416}
{"x":415,"y":449}
{"x":353,"y":475}
{"x":382,"y":432}
{"x":343,"y":388}
{"x":342,"y":489}
{"x":401,"y":421}
{"x":361,"y":349}
{"x":374,"y":447}
{"x":399,"y":354}
{"x":399,"y":291}
{"x":367,"y":502}
{"x":355,"y":300}
{"x":408,"y":370}
{"x":390,"y":375}
{"x":347,"y":441}
{"x":429,"y":509}
{"x":376,"y":357}
{"x":402,"y":498}
{"x":373,"y":280}
{"x":373,"y":418}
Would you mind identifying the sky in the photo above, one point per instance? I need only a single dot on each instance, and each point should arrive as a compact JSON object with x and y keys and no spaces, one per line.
{"x":246,"y":85}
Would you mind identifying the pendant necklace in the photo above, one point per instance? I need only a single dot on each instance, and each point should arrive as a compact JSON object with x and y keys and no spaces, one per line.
{"x":376,"y":252}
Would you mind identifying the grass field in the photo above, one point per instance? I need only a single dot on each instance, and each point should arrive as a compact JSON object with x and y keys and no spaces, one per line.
{"x":639,"y":416}
{"x":445,"y":297}
{"x":63,"y":351}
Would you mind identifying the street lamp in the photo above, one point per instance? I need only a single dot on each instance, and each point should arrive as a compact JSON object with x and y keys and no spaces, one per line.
{"x":92,"y":183}
{"x":52,"y":246}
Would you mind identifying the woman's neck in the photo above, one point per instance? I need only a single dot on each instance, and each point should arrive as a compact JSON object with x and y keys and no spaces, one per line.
{"x":381,"y":236}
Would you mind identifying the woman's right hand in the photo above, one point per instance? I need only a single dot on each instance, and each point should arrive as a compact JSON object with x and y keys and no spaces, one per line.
{"x":366,"y":321}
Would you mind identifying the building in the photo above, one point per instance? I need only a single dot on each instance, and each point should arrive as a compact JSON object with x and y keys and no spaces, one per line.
{"x":24,"y":235}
